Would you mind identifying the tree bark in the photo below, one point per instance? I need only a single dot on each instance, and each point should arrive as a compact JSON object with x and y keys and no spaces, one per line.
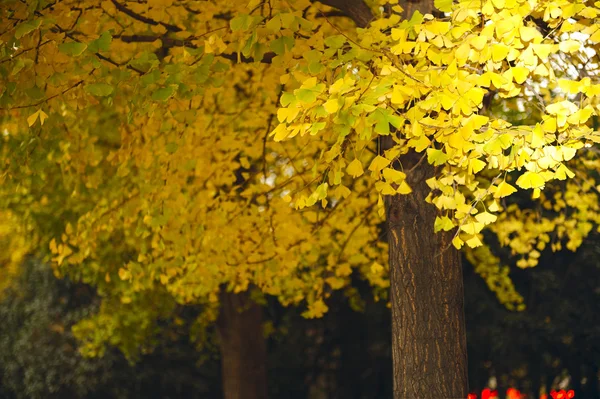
{"x":243,"y":348}
{"x":429,"y":344}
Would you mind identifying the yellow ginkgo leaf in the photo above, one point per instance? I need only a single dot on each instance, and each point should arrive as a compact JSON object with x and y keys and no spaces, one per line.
{"x":476,"y":165}
{"x":457,"y":242}
{"x":288,"y":114}
{"x":528,"y":33}
{"x":569,"y":86}
{"x":504,"y":190}
{"x":568,"y":153}
{"x":376,"y":268}
{"x":281,"y":132}
{"x":537,"y":136}
{"x":569,"y":46}
{"x":355,"y":168}
{"x":33,"y":117}
{"x":549,"y":125}
{"x":499,"y":52}
{"x":393,"y":175}
{"x":474,"y":242}
{"x":472,"y":227}
{"x":520,"y":74}
{"x":331,"y":106}
{"x":443,"y":223}
{"x":486,"y":218}
{"x":530,"y":180}
{"x":385,"y":188}
{"x":404,"y":188}
{"x":43,"y":117}
{"x":494,"y":207}
{"x":542,"y":50}
{"x":378,"y":163}
{"x":420,"y":143}
{"x":479,"y":42}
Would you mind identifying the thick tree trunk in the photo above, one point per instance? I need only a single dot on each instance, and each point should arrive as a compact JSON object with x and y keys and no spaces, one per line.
{"x":243,"y":348}
{"x":429,"y":344}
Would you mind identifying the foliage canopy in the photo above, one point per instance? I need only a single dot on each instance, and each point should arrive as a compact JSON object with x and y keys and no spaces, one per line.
{"x":163,"y":149}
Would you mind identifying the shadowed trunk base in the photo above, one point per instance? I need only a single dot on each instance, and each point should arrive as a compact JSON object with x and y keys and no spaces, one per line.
{"x":243,"y":348}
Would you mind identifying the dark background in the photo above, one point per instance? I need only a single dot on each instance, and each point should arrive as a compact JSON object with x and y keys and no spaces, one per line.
{"x":344,"y":355}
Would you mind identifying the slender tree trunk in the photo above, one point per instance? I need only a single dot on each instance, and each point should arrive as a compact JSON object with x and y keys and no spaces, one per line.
{"x":429,"y":344}
{"x":243,"y":348}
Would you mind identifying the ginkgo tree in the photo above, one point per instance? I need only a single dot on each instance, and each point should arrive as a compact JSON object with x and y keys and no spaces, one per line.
{"x":145,"y":169}
{"x":417,"y":87}
{"x":177,"y":152}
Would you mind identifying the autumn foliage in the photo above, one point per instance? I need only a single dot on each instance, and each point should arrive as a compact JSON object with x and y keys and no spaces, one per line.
{"x":164,"y":151}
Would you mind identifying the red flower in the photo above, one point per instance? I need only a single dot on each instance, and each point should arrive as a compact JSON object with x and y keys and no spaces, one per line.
{"x":472,"y":396}
{"x":513,"y":393}
{"x":489,"y":394}
{"x":562,"y":394}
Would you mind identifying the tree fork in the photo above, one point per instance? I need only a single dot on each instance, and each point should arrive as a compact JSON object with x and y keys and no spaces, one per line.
{"x":243,"y":347}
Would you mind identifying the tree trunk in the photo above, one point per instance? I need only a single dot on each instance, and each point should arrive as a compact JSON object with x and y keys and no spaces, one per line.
{"x":429,"y":344}
{"x":243,"y":348}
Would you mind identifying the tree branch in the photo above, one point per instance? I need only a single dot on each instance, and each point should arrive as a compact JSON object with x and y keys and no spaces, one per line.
{"x":141,"y":18}
{"x":356,"y":10}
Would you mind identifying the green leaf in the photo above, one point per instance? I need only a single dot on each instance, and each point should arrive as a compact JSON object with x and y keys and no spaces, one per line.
{"x":336,"y":41}
{"x":241,"y":22}
{"x":99,"y":89}
{"x":281,"y":44}
{"x":274,"y":24}
{"x":416,"y":19}
{"x":20,"y":64}
{"x":443,"y":5}
{"x":312,"y":56}
{"x":306,"y":95}
{"x":383,"y":117}
{"x":72,"y":48}
{"x":171,"y":147}
{"x":220,"y":67}
{"x":146,"y":61}
{"x":164,"y":94}
{"x":287,"y":98}
{"x":27,"y":27}
{"x":288,"y":20}
{"x":150,"y":77}
{"x":35,"y":93}
{"x":315,"y":67}
{"x":316,"y":127}
{"x":249,"y":43}
{"x":436,"y":157}
{"x":101,"y":44}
